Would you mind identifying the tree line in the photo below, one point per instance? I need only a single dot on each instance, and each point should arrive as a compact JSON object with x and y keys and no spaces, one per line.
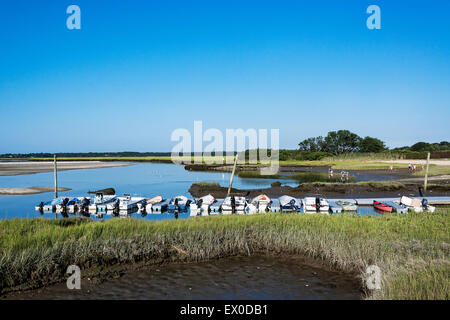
{"x":345,"y":141}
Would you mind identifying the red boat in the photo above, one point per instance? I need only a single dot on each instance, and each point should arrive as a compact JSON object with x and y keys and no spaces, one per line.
{"x":382,"y":206}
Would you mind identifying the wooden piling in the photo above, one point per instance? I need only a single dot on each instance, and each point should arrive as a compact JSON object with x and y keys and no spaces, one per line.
{"x":232,"y":175}
{"x":426,"y":174}
{"x":55,"y":171}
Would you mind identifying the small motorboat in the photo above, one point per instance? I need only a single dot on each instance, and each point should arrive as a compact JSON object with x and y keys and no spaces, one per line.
{"x":416,"y":205}
{"x":216,"y":206}
{"x":83,"y":206}
{"x":76,"y":204}
{"x":382,"y":206}
{"x":51,"y":205}
{"x":347,"y":205}
{"x":315,"y":204}
{"x":399,"y":208}
{"x":62,"y":205}
{"x":275,"y":206}
{"x":201,"y":206}
{"x":147,"y":205}
{"x":181,"y":202}
{"x":289,"y":203}
{"x":160,"y":207}
{"x":334,"y":207}
{"x":128,"y":203}
{"x":233,"y":203}
{"x":108,"y":200}
{"x":40,"y":206}
{"x":259,"y":204}
{"x":101,"y":202}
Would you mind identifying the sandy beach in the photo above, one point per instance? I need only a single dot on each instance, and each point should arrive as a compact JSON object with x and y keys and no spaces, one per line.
{"x":13,"y":168}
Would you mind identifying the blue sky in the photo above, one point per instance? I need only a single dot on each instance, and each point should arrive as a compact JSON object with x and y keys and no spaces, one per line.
{"x":137,"y":70}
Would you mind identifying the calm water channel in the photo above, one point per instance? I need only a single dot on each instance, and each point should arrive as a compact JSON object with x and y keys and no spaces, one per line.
{"x":141,"y":179}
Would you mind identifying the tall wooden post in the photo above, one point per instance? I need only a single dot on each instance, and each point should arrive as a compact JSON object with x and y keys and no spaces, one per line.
{"x":55,"y":170}
{"x":232,"y":175}
{"x":426,"y":173}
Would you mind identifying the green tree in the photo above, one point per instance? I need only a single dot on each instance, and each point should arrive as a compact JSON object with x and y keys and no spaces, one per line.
{"x":421,"y":146}
{"x":370,"y":144}
{"x":315,"y":144}
{"x":342,"y":141}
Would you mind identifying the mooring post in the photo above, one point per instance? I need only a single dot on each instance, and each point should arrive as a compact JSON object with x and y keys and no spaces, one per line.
{"x":426,"y":173}
{"x":55,"y":170}
{"x":232,"y":175}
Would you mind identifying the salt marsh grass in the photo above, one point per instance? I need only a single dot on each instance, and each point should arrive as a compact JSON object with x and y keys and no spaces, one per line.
{"x":412,"y":250}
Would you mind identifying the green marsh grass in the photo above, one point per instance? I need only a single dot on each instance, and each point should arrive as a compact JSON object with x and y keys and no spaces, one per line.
{"x":433,"y":171}
{"x":301,"y":177}
{"x":36,"y":252}
{"x":345,"y":163}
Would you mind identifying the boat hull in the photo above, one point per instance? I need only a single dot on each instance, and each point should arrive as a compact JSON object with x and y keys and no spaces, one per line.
{"x":382,"y":207}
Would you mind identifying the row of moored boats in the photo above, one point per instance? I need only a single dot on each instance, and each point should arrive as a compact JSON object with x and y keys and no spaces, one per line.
{"x":115,"y":205}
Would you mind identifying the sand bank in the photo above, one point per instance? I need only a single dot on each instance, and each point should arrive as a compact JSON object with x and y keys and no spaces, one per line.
{"x":30,"y":190}
{"x":13,"y":168}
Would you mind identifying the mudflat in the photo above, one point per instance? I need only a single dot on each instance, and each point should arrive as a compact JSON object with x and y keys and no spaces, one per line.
{"x":13,"y":168}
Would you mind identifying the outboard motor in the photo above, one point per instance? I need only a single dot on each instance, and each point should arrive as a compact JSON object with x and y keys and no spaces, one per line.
{"x":83,"y":206}
{"x":424,"y":203}
{"x":292,"y":203}
{"x":115,"y":212}
{"x":233,"y":205}
{"x":317,"y":204}
{"x":64,"y":208}
{"x":41,"y":208}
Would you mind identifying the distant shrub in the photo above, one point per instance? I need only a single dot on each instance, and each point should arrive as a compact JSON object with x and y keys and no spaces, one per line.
{"x":311,"y":156}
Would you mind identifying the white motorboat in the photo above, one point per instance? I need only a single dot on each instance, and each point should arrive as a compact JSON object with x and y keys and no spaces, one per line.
{"x":416,"y":205}
{"x":127,"y":202}
{"x":147,"y":205}
{"x":216,"y":207}
{"x":260,"y":204}
{"x":201,"y":206}
{"x":181,"y":202}
{"x":231,"y":203}
{"x":335,"y":207}
{"x":315,"y":204}
{"x":78,"y":204}
{"x":348,"y":205}
{"x":289,"y":203}
{"x":101,"y":201}
{"x":275,"y":205}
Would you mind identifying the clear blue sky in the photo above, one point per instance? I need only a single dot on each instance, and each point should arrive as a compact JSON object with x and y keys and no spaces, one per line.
{"x":137,"y":70}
